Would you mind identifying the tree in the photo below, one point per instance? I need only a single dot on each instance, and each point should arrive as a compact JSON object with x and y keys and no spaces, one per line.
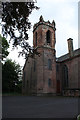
{"x":4,"y":48}
{"x":10,"y":76}
{"x":15,"y":17}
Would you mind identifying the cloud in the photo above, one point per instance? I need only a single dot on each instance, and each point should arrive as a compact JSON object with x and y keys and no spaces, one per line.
{"x":58,"y":1}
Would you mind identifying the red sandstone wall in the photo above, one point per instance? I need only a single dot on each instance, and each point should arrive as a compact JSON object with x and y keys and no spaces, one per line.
{"x":43,"y":73}
{"x":73,"y":73}
{"x":38,"y":79}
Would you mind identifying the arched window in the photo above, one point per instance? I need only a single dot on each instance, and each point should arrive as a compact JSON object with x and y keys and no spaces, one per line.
{"x":48,"y":36}
{"x":65,"y":76}
{"x":36,"y":38}
{"x":49,"y":82}
{"x":49,"y":64}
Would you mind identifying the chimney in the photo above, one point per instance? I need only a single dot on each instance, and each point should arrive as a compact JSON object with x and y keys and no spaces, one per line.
{"x":70,"y":47}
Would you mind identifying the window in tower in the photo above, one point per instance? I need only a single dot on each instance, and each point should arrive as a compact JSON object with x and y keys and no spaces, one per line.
{"x":36,"y":39}
{"x":48,"y":36}
{"x":57,"y":67}
{"x":49,"y":82}
{"x":49,"y":64}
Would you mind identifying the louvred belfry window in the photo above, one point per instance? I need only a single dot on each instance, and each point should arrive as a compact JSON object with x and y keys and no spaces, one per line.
{"x":48,"y":36}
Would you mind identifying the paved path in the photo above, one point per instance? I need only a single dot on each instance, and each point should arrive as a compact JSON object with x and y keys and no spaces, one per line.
{"x":39,"y":107}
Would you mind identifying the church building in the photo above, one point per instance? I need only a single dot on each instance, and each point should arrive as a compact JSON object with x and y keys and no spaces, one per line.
{"x":46,"y":74}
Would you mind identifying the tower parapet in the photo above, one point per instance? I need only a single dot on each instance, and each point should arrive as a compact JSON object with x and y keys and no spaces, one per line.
{"x":47,"y":23}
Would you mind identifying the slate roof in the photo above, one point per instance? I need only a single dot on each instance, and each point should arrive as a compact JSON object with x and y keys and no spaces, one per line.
{"x":66,"y":56}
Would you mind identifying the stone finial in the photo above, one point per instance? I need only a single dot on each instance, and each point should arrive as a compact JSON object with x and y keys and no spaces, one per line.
{"x":53,"y":23}
{"x":41,"y":18}
{"x":48,"y":21}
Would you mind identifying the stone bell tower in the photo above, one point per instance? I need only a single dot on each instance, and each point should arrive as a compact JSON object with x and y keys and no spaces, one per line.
{"x":45,"y":64}
{"x":44,"y":34}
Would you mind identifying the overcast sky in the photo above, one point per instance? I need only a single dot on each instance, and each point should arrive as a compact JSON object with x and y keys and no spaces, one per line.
{"x":65,"y":14}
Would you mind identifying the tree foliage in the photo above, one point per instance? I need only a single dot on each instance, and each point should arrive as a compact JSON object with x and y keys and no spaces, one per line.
{"x":15,"y":17}
{"x":10,"y":76}
{"x":4,"y":48}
